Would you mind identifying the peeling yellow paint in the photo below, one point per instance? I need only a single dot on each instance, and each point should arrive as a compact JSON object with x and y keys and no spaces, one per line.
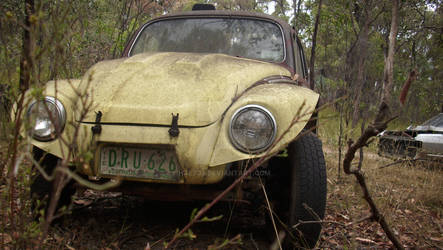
{"x":147,"y":88}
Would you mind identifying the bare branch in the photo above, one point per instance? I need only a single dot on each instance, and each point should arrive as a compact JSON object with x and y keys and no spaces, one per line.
{"x":267,"y":155}
{"x":379,"y":124}
{"x":271,"y":214}
{"x":402,"y":161}
{"x":101,"y":187}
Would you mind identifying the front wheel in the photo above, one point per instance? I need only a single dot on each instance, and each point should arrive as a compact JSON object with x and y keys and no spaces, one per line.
{"x":298,"y":190}
{"x":42,"y":189}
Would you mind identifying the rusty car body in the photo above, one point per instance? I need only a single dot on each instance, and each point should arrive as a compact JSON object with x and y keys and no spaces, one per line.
{"x":422,"y":141}
{"x":195,"y":97}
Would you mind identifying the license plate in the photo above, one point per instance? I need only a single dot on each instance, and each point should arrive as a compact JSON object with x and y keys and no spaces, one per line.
{"x":158,"y":164}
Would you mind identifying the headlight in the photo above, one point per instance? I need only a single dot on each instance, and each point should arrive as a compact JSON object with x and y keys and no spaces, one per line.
{"x":46,"y":117}
{"x":252,"y":129}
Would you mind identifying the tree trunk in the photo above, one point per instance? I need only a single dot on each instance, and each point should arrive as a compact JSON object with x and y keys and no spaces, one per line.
{"x":296,"y":5}
{"x":25,"y":79}
{"x":388,"y":74}
{"x":340,"y":139}
{"x":26,"y":60}
{"x":362,"y":50}
{"x":314,"y":43}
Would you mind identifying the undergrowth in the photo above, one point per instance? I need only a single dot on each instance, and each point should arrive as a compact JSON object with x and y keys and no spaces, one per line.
{"x":408,"y":194}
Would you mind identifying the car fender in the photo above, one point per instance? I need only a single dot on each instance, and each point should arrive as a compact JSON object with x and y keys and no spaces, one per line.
{"x":286,"y":102}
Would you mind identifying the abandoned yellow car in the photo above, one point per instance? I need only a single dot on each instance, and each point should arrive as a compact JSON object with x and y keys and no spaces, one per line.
{"x":195,"y":99}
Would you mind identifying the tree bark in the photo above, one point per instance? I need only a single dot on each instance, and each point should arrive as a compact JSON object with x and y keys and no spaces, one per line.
{"x":24,"y":82}
{"x":296,"y":5}
{"x":388,"y":74}
{"x":299,"y":6}
{"x":360,"y":52}
{"x":314,"y":43}
{"x":26,"y":60}
{"x":26,"y":65}
{"x":340,"y":139}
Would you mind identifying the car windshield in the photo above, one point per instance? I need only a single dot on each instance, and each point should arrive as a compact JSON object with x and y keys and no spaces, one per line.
{"x":436,"y":121}
{"x":249,"y":38}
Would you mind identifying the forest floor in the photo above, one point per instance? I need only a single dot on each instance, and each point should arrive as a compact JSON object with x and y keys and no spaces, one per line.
{"x":409,"y":195}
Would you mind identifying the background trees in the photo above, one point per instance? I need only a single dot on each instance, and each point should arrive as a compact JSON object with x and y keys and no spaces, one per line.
{"x":352,"y":46}
{"x":67,"y":37}
{"x":351,"y":43}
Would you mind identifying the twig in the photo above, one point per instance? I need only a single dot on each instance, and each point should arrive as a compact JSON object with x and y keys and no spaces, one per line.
{"x":276,"y":244}
{"x":251,"y":238}
{"x":376,"y":215}
{"x":284,"y":226}
{"x":100,"y":187}
{"x":301,"y":222}
{"x":311,"y":211}
{"x":369,"y":217}
{"x":270,"y":214}
{"x":258,"y":163}
{"x":226,"y":243}
{"x":202,"y":211}
{"x":408,"y":161}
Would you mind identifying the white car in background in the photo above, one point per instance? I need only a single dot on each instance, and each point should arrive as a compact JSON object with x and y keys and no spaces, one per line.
{"x":422,"y":141}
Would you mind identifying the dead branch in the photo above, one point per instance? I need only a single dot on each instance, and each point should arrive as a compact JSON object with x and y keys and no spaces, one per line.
{"x":302,"y":222}
{"x":369,"y":217}
{"x":412,"y":76}
{"x":379,"y":124}
{"x":333,"y":222}
{"x":267,"y":155}
{"x":100,"y":187}
{"x":398,"y":162}
{"x":370,"y":131}
{"x":277,"y":234}
{"x":276,"y":244}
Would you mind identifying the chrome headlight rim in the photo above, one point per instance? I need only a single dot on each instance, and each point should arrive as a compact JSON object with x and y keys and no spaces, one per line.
{"x":267,"y":113}
{"x":61,"y":118}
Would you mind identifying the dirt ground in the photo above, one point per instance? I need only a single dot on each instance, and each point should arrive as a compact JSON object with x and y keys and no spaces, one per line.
{"x":409,"y":196}
{"x":103,"y":220}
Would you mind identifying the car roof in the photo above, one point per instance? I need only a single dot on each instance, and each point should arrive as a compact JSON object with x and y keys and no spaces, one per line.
{"x":434,"y":124}
{"x":225,"y":13}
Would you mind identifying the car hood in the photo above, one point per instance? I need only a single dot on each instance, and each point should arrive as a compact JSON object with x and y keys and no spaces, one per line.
{"x":148,"y":88}
{"x":428,"y":128}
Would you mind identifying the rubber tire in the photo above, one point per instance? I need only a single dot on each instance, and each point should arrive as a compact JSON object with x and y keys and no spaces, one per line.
{"x":300,"y":179}
{"x":41,"y":189}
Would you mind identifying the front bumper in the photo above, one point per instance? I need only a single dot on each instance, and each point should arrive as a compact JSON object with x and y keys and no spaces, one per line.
{"x":398,"y":146}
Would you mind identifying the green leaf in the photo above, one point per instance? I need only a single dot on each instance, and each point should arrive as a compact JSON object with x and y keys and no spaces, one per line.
{"x":193,"y":214}
{"x":206,"y":219}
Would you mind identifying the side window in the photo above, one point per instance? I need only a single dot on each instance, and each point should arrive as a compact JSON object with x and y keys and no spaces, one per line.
{"x":300,"y":60}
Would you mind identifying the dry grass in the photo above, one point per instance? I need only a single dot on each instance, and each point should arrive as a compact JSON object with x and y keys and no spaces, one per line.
{"x":409,"y":195}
